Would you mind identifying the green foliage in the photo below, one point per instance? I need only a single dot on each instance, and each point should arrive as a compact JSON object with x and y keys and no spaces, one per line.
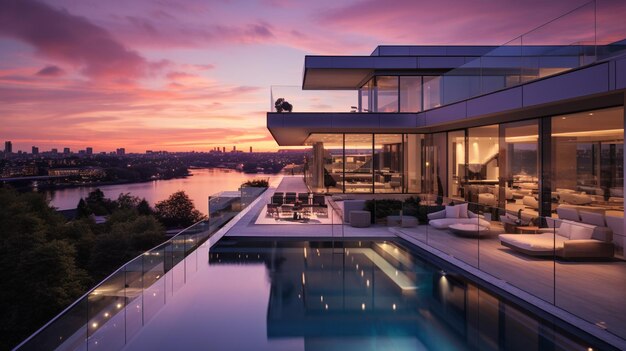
{"x":143,"y":207}
{"x":83,"y":210}
{"x":257,"y":183}
{"x":383,"y":208}
{"x":38,"y":268}
{"x":392,"y":207}
{"x":98,"y":204}
{"x":177,"y":211}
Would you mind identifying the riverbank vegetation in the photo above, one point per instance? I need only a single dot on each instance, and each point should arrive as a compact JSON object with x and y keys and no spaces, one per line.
{"x":48,"y":261}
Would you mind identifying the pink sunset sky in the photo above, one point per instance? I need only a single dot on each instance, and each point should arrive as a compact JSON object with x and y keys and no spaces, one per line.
{"x":192,"y":75}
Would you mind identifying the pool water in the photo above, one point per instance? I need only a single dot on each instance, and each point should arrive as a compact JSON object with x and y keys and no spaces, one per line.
{"x":257,"y":294}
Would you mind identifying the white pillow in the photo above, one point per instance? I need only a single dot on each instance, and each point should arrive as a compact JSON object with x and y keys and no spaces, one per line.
{"x":564,"y":229}
{"x":462,"y":210}
{"x":453,"y":211}
{"x":580,"y":231}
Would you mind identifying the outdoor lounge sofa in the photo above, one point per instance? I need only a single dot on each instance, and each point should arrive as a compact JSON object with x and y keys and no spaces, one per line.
{"x":569,"y":240}
{"x":442,"y":219}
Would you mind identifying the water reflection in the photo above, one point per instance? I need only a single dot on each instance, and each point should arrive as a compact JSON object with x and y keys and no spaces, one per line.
{"x":377,"y":295}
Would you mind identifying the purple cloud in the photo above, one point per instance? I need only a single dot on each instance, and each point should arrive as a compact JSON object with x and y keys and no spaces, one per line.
{"x":50,"y":71}
{"x":56,"y":34}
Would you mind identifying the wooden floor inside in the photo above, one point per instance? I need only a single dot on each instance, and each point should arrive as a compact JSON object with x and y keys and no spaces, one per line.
{"x":592,"y":290}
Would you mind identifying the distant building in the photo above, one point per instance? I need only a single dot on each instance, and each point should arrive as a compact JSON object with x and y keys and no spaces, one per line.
{"x":234,"y":148}
{"x":8,"y":147}
{"x":35,"y":150}
{"x":250,"y":149}
{"x":89,"y":172}
{"x":89,"y":151}
{"x":54,"y":151}
{"x":121,"y":151}
{"x":224,"y":149}
{"x":66,"y":150}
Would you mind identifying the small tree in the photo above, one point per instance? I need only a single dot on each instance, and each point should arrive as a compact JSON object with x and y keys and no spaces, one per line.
{"x":144,"y":208}
{"x":83,"y":210}
{"x":256,"y":183}
{"x":177,"y":211}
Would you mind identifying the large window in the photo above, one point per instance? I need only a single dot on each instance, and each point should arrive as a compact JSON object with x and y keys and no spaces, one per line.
{"x":410,"y":94}
{"x":432,"y":92}
{"x":387,"y":90}
{"x":413,"y":164}
{"x":588,"y":161}
{"x":456,"y":163}
{"x":358,"y":177}
{"x":366,"y":96}
{"x":482,"y":165}
{"x":388,"y":163}
{"x":519,"y":167}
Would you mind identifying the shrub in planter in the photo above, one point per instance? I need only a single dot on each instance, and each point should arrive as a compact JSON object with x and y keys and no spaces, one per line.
{"x":380,"y":209}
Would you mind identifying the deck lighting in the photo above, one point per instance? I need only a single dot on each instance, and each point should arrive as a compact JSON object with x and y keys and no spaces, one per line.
{"x":393,"y":306}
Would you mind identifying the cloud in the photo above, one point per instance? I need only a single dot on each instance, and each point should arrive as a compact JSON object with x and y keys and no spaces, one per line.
{"x":50,"y":71}
{"x":58,"y":35}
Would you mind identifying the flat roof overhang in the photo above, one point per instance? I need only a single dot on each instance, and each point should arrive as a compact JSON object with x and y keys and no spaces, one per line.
{"x":292,"y":129}
{"x":351,"y":72}
{"x":590,"y":87}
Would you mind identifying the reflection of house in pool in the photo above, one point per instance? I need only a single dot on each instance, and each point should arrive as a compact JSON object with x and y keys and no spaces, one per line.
{"x":373,"y":291}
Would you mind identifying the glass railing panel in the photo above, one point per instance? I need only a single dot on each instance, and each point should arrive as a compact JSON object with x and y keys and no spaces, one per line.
{"x":67,"y":332}
{"x":589,"y":281}
{"x":106,"y":317}
{"x":133,"y":276}
{"x":177,"y":274}
{"x":566,"y":42}
{"x":520,"y":251}
{"x":312,"y":100}
{"x":154,"y":282}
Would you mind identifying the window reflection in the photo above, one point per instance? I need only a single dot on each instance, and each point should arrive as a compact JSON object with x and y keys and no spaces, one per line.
{"x":388,"y":163}
{"x":387,"y":90}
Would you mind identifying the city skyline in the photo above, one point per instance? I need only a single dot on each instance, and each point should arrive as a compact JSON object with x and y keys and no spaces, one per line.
{"x":196,"y":75}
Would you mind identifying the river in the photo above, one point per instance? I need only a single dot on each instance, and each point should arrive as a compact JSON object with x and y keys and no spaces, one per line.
{"x":199,"y":185}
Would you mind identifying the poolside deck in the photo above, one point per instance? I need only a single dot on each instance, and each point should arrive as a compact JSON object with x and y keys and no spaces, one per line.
{"x":594,"y":291}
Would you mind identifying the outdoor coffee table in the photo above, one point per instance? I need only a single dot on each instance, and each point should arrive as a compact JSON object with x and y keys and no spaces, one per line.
{"x":471,"y":230}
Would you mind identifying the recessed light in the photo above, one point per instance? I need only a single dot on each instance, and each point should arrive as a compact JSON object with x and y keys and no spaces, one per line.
{"x":591,"y":114}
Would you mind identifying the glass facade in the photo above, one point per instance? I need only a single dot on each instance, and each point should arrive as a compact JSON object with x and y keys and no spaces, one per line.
{"x":358,"y":163}
{"x":410,"y":94}
{"x":387,"y":94}
{"x":456,"y":163}
{"x":388,"y":162}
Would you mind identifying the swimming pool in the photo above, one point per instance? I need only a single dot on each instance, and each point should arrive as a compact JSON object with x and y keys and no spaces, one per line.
{"x":267,"y":294}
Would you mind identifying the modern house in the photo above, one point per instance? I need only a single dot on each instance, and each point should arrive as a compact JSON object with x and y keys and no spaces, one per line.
{"x":514,"y":127}
{"x":489,"y":138}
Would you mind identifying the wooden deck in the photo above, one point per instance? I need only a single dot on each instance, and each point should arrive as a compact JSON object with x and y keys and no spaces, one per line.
{"x":594,"y":291}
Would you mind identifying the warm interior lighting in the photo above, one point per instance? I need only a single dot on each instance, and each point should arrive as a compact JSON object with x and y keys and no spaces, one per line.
{"x":367,"y":282}
{"x":607,"y":132}
{"x":119,"y":305}
{"x":363,"y":306}
{"x":94,"y":325}
{"x":106,"y":315}
{"x":393,"y":306}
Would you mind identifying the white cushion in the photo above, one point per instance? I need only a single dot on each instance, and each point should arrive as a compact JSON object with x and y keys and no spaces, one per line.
{"x":462,"y":210}
{"x":596,"y":219}
{"x":452,"y":211}
{"x":545,"y":242}
{"x":443,"y":223}
{"x":564,"y":229}
{"x":581,"y":231}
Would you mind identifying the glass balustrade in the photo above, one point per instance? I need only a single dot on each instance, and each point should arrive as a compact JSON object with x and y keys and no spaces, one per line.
{"x":115,"y":310}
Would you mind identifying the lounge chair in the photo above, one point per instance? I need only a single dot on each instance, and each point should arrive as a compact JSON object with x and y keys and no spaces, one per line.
{"x":442,"y":219}
{"x":303,"y":198}
{"x":278,"y":198}
{"x":318,"y":199}
{"x":290,"y":198}
{"x":569,"y":240}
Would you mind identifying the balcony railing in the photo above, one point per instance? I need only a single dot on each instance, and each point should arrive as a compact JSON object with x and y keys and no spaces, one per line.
{"x":111,"y":313}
